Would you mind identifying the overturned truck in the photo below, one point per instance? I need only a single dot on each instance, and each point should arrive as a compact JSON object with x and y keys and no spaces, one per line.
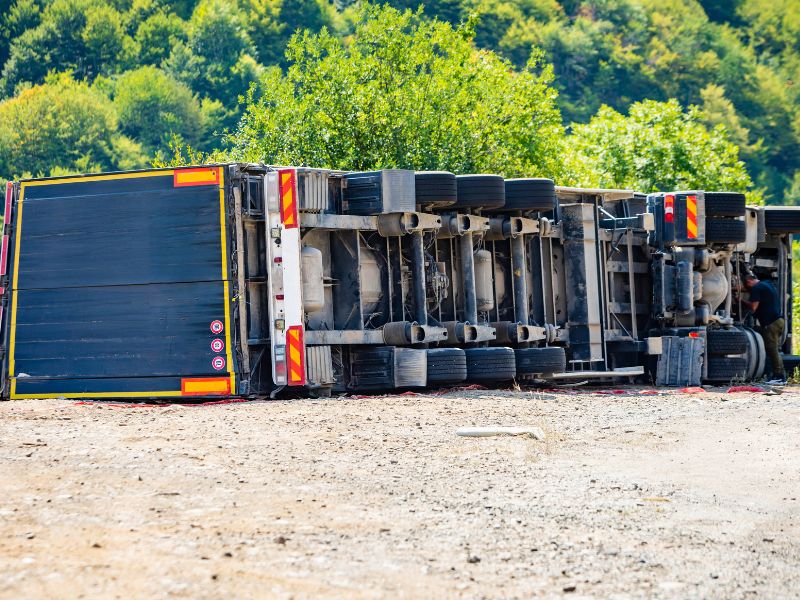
{"x":250,"y":280}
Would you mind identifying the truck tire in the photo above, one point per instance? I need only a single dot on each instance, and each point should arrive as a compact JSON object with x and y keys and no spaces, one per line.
{"x":535,"y":361}
{"x":530,"y":194}
{"x":446,"y":365}
{"x":725,"y":231}
{"x":490,"y":364}
{"x":480,"y":191}
{"x":756,"y":354}
{"x":435,"y":189}
{"x":724,"y":369}
{"x":782,"y":220}
{"x":725,"y":204}
{"x":371,"y":369}
{"x":726,"y":341}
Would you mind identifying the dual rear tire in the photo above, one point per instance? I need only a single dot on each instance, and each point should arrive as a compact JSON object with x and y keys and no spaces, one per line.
{"x":732,"y":355}
{"x":723,"y":210}
{"x":491,"y":364}
{"x":537,"y":361}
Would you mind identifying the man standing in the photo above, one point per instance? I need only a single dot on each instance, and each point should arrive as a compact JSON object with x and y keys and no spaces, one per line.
{"x":766,"y":305}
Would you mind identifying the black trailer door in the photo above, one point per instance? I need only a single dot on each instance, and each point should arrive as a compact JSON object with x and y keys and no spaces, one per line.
{"x":120,"y":287}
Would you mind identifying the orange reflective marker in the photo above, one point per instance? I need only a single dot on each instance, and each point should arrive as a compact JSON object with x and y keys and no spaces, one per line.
{"x":288,"y":200}
{"x":691,"y":217}
{"x":205,"y":386}
{"x":295,"y":355}
{"x":190,"y":177}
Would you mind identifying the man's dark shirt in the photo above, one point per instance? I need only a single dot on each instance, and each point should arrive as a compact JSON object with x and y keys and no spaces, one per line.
{"x":769,"y":308}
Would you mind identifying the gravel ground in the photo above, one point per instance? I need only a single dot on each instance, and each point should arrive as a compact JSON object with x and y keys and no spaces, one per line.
{"x":630,"y":495}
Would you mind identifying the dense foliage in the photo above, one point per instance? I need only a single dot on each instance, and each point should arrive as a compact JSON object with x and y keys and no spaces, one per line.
{"x":404,"y":92}
{"x":657,"y":147}
{"x":149,"y":73}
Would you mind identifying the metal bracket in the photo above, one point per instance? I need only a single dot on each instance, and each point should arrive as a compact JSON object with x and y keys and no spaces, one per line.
{"x":457,"y":225}
{"x":501,"y":228}
{"x":396,"y":224}
{"x":515,"y":333}
{"x":459,"y":332}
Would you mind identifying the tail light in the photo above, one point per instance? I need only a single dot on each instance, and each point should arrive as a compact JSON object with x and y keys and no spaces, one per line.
{"x":669,"y":208}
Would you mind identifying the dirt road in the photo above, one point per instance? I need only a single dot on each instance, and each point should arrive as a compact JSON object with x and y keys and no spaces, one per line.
{"x":629,"y":496}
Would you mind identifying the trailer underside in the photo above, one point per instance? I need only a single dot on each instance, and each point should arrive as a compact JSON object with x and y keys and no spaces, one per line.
{"x":246,"y":280}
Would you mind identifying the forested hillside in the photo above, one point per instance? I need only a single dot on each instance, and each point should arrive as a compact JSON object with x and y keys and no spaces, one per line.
{"x":112,"y":84}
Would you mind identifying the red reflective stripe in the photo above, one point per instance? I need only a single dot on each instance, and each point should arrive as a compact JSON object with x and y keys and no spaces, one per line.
{"x":4,"y":256}
{"x":691,"y":217}
{"x":288,"y":198}
{"x":295,"y":356}
{"x":6,"y":217}
{"x":9,"y":191}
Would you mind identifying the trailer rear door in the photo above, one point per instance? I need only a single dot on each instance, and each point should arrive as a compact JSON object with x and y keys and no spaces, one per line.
{"x":120,"y":287}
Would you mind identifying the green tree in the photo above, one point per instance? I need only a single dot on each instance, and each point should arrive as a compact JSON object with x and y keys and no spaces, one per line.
{"x":153,"y":108}
{"x":773,"y":25}
{"x":216,"y":62}
{"x":157,"y":35}
{"x":82,"y":36}
{"x":452,"y":11}
{"x":271,"y":23}
{"x":15,"y":18}
{"x":402,"y":92}
{"x":105,"y":41}
{"x":722,"y":10}
{"x":658,"y":146}
{"x":62,"y":126}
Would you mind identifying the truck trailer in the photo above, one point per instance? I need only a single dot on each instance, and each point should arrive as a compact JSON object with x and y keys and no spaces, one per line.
{"x":249,"y":280}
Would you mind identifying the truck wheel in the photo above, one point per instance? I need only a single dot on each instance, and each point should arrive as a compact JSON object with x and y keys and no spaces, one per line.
{"x":480,"y":191}
{"x":535,"y":361}
{"x":782,"y":220}
{"x":756,"y":354}
{"x":371,"y":369}
{"x":435,"y":189}
{"x":490,"y":364}
{"x":724,"y":204}
{"x":725,"y":231}
{"x":530,"y":194}
{"x":726,"y":368}
{"x":446,"y":365}
{"x":726,"y":341}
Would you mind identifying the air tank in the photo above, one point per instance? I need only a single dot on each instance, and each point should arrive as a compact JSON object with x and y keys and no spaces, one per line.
{"x":313,"y":287}
{"x":484,"y":285}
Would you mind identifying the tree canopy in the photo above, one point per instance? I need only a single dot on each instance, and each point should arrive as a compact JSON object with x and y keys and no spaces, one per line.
{"x":658,"y":146}
{"x":60,"y":126}
{"x":730,"y":65}
{"x":405,"y":92}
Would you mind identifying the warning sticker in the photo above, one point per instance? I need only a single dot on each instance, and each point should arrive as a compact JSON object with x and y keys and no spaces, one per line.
{"x":217,"y":326}
{"x":218,"y":363}
{"x":217,"y":345}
